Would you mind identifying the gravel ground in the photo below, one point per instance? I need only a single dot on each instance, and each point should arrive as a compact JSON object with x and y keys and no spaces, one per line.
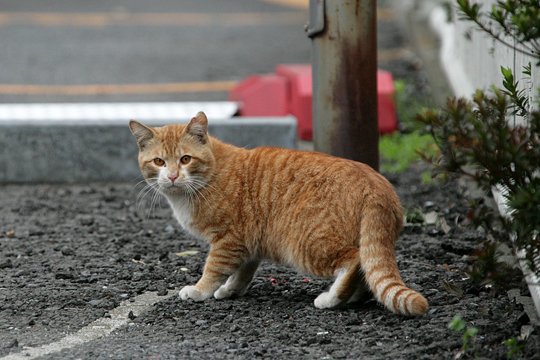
{"x":70,"y":253}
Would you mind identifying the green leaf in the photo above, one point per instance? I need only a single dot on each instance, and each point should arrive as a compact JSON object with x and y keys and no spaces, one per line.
{"x":507,"y":73}
{"x":527,"y":70}
{"x":457,"y":324}
{"x":414,"y":216}
{"x":470,"y":332}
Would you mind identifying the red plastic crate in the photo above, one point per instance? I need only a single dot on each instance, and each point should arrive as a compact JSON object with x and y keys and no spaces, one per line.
{"x":386,"y":102}
{"x":289,"y":91}
{"x":262,"y":95}
{"x":301,"y":93}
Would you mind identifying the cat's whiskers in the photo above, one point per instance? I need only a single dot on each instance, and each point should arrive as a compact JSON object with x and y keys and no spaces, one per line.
{"x":192,"y":191}
{"x":144,"y":181}
{"x":202,"y":184}
{"x":150,"y":186}
{"x":196,"y":186}
{"x":190,"y":195}
{"x":156,"y":198}
{"x":145,"y":191}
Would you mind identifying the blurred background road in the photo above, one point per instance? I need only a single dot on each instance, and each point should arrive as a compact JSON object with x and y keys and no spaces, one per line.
{"x":159,"y":50}
{"x":137,"y":50}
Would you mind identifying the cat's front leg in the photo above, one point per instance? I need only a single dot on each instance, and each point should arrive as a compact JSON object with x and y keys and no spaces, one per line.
{"x":238,"y":282}
{"x":191,"y":292}
{"x":224,"y":259}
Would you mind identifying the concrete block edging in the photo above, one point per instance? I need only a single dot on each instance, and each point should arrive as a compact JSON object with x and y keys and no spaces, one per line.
{"x":98,"y":150}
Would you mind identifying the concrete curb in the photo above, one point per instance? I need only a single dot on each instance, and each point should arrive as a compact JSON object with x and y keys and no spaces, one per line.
{"x":52,"y":151}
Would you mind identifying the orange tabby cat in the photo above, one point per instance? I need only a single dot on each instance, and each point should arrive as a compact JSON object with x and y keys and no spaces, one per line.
{"x":323,"y":215}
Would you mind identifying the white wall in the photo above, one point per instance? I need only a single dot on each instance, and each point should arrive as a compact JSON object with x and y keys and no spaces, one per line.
{"x":480,"y":58}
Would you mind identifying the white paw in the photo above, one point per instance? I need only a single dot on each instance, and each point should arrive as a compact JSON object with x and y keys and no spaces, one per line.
{"x":191,"y":292}
{"x":224,"y":292}
{"x":326,"y":300}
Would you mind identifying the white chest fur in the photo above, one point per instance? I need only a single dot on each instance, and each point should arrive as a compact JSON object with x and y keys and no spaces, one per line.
{"x":183,"y":212}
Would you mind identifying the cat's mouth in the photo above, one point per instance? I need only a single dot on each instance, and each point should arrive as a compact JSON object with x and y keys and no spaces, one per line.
{"x":176,"y":188}
{"x":172,"y":186}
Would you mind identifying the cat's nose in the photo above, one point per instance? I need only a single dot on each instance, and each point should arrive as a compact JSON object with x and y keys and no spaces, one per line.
{"x":172,"y":177}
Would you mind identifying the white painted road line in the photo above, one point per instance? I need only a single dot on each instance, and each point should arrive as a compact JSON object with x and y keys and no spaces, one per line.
{"x":97,"y":329}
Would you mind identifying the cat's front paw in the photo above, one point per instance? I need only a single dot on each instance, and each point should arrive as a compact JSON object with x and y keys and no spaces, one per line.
{"x":226,"y":292}
{"x":223,"y":293}
{"x":326,"y":300}
{"x":191,"y":292}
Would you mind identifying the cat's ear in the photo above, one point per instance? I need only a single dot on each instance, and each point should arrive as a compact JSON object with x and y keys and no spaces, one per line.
{"x":142,"y":133}
{"x":198,"y":127}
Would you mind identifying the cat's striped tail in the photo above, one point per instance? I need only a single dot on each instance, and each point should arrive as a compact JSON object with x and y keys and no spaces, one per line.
{"x":379,"y":230}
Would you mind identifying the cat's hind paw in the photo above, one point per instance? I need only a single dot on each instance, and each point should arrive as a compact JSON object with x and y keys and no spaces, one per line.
{"x":191,"y":292}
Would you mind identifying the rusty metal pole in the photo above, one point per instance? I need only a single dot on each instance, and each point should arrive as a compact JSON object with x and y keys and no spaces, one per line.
{"x":345,"y":78}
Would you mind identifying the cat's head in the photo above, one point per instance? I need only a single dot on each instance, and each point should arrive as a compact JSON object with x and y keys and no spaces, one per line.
{"x":176,"y":158}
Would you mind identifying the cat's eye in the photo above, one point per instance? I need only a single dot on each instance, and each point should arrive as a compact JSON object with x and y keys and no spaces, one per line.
{"x":185,"y":159}
{"x":159,"y":162}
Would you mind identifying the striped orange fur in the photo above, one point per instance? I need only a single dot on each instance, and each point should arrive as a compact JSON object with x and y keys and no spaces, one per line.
{"x":324,"y":215}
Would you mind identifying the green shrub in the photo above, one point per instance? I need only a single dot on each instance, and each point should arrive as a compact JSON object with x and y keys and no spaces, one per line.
{"x":399,"y":151}
{"x":476,"y":138}
{"x":468,"y":333}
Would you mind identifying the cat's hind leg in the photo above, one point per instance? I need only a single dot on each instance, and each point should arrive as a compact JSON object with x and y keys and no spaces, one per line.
{"x":237,"y":283}
{"x":361,"y":294}
{"x":348,"y":286}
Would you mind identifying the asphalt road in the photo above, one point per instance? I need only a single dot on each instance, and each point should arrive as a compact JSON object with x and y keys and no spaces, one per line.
{"x":52,"y":49}
{"x":89,"y":272}
{"x":173,"y":50}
